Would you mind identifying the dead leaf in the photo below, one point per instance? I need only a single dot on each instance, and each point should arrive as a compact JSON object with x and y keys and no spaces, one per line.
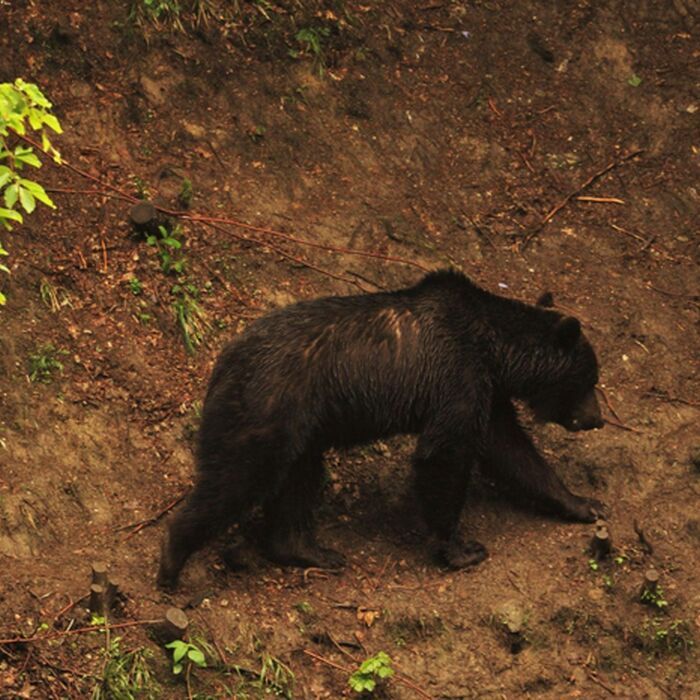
{"x":367,"y":616}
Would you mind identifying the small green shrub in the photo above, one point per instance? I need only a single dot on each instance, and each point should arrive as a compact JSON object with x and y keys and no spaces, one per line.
{"x":44,"y":363}
{"x":23,"y":107}
{"x":186,"y":653}
{"x":126,"y":675}
{"x":135,"y":286}
{"x":654,"y":598}
{"x":662,"y":637}
{"x":185,"y":195}
{"x":190,"y":316}
{"x":372,"y":670}
{"x":170,"y":12}
{"x":167,"y":243}
{"x":311,"y":40}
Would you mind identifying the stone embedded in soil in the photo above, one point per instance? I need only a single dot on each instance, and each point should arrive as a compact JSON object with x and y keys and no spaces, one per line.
{"x":511,"y":617}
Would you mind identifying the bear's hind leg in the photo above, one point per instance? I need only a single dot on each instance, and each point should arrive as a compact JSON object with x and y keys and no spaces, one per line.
{"x":443,"y":467}
{"x":289,"y":518}
{"x":511,"y":457}
{"x":205,"y":514}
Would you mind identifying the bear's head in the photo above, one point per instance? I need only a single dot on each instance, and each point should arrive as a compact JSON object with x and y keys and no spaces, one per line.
{"x":568,"y":396}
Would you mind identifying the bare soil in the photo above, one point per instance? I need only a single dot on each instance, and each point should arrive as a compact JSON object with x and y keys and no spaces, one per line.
{"x":441,"y":133}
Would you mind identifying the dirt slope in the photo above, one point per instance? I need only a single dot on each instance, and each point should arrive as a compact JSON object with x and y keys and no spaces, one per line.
{"x":533,"y":145}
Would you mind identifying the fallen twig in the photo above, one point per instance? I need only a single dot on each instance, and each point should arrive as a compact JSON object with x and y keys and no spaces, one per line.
{"x":79,"y":630}
{"x":558,"y":207}
{"x":599,"y":200}
{"x":493,"y":108}
{"x":673,"y":295}
{"x":604,"y":394}
{"x":665,"y":396}
{"x":622,"y":426}
{"x":284,"y":254}
{"x":141,"y":524}
{"x":102,"y":193}
{"x":65,"y":164}
{"x":187,"y":216}
{"x":647,"y":242}
{"x":69,"y":607}
{"x":597,"y":680}
{"x":287,"y":237}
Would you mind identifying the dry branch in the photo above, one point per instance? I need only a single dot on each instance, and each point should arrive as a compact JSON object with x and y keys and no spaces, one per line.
{"x":589,"y":181}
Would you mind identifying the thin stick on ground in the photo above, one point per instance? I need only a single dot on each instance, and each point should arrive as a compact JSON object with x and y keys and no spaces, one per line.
{"x":604,"y":394}
{"x":188,"y":216}
{"x":69,"y":607}
{"x":600,"y":200}
{"x":665,"y":396}
{"x":597,"y":681}
{"x":622,"y":426}
{"x":79,"y":630}
{"x":152,"y":520}
{"x":587,"y":183}
{"x":288,"y":237}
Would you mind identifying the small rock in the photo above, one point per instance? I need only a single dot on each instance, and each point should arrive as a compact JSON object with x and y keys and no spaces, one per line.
{"x":154,"y":91}
{"x":512,"y":618}
{"x":194,"y":130}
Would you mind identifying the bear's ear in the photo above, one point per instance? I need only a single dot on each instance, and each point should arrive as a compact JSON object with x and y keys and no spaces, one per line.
{"x":567,"y":331}
{"x":546,"y":300}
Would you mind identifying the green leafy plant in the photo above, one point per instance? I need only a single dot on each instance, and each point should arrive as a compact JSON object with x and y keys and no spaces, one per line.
{"x":161,"y":12}
{"x":654,"y":597}
{"x":43,"y":363}
{"x":274,"y":678}
{"x":155,"y":11}
{"x":311,"y":41}
{"x":126,"y":675}
{"x":661,"y":637}
{"x":167,"y":242}
{"x":304,"y":607}
{"x":184,"y":197}
{"x":371,"y":671}
{"x":257,"y":133}
{"x":23,"y":107}
{"x":135,"y":286}
{"x":634,"y":80}
{"x":190,"y":316}
{"x":186,"y":653}
{"x":140,"y":187}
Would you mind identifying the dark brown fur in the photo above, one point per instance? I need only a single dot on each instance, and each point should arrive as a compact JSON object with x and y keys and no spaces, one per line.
{"x":442,"y":359}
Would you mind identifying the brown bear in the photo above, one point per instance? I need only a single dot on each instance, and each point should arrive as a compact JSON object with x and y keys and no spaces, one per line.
{"x":442,"y":359}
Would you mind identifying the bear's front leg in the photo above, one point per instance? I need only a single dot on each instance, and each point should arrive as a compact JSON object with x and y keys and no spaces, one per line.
{"x":443,"y":465}
{"x":513,"y":460}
